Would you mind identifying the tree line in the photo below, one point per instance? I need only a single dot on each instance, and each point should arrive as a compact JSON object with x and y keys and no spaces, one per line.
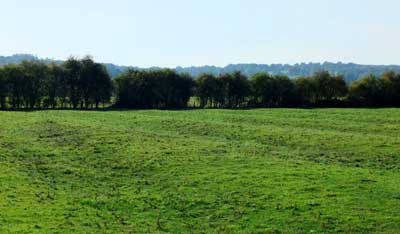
{"x":265,"y":90}
{"x":320,"y":90}
{"x":73,"y":84}
{"x":153,"y":89}
{"x":86,"y":84}
{"x":169,"y":89}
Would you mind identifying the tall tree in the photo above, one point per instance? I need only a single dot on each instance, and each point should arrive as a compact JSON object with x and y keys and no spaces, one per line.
{"x":103,"y":89}
{"x":153,"y":89}
{"x":273,"y":90}
{"x":95,"y":83}
{"x":34,"y":75}
{"x":3,"y":89}
{"x":207,"y":89}
{"x":55,"y":86}
{"x":329,"y":87}
{"x":73,"y":70}
{"x":367,"y":91}
{"x":263,"y":89}
{"x":390,"y":82}
{"x":15,"y":79}
{"x":285,"y":91}
{"x":307,"y":90}
{"x":236,"y":88}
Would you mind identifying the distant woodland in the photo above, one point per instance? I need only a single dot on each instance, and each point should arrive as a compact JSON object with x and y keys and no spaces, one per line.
{"x":350,"y":71}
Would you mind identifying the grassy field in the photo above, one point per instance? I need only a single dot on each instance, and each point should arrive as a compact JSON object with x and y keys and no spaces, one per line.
{"x":200,"y":171}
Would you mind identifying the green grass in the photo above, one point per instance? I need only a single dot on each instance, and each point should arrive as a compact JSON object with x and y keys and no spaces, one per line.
{"x":200,"y":171}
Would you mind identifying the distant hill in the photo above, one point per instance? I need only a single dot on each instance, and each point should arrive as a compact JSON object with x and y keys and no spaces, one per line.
{"x":351,"y":71}
{"x":114,"y":70}
{"x":18,"y":58}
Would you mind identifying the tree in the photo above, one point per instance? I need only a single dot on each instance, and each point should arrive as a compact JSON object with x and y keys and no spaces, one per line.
{"x":153,"y":89}
{"x":87,"y":84}
{"x":136,"y":89}
{"x":329,"y":87}
{"x":104,"y":87}
{"x":34,"y":76}
{"x":95,"y":83}
{"x":55,"y":86}
{"x":263,"y":89}
{"x":236,"y":88}
{"x":390,"y":82}
{"x":285,"y":91}
{"x":125,"y":84}
{"x":14,"y":76}
{"x":74,"y":87}
{"x":207,"y":89}
{"x":273,"y":90}
{"x":367,"y":91}
{"x":172,"y":89}
{"x":183,"y":89}
{"x":307,"y":90}
{"x":87,"y":80}
{"x":3,"y":89}
{"x":34,"y":84}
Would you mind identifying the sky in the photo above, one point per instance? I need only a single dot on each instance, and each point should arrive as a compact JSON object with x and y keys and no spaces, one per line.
{"x":171,"y":33}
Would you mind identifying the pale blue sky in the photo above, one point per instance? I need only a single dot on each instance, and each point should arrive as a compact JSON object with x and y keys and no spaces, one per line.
{"x":188,"y":32}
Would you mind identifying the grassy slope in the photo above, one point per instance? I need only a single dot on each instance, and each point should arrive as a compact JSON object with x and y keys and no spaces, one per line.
{"x":204,"y":171}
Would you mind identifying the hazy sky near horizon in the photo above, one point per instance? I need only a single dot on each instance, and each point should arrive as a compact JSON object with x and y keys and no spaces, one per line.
{"x":204,"y":32}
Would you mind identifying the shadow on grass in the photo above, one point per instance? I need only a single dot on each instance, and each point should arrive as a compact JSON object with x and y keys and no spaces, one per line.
{"x":120,"y":109}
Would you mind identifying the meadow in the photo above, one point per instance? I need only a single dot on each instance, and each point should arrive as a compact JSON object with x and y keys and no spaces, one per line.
{"x":200,"y":171}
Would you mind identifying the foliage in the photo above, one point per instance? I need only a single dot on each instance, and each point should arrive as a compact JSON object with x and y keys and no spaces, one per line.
{"x":350,"y":71}
{"x":373,"y":91}
{"x":307,"y":90}
{"x":367,"y":91}
{"x":329,"y":87}
{"x":153,"y":89}
{"x":34,"y":84}
{"x":86,"y":84}
{"x":209,"y":89}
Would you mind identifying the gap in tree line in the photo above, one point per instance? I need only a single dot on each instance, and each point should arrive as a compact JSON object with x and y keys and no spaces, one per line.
{"x":85,"y":84}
